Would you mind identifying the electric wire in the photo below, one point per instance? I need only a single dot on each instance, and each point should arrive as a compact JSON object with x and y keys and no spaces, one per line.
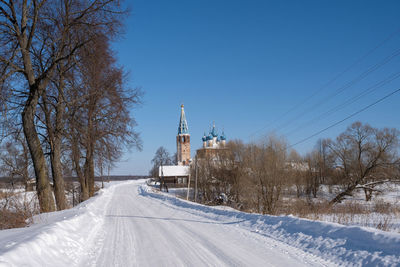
{"x":369,"y":90}
{"x":331,"y":81}
{"x":346,"y":118}
{"x":342,"y":88}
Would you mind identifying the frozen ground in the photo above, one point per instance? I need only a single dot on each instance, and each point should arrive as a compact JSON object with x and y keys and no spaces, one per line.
{"x":128,"y":224}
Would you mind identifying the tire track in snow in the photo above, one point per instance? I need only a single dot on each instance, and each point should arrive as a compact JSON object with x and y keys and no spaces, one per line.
{"x":144,"y":231}
{"x":266,"y":241}
{"x":193,"y":249}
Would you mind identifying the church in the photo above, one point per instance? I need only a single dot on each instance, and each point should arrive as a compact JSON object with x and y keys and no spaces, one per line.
{"x":212,"y":143}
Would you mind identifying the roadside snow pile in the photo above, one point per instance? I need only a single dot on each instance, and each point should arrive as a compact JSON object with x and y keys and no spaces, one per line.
{"x":343,"y":245}
{"x":72,"y":237}
{"x":56,"y":238}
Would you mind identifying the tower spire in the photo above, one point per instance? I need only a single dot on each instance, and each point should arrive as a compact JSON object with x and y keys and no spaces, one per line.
{"x":183,"y":141}
{"x":183,"y":127}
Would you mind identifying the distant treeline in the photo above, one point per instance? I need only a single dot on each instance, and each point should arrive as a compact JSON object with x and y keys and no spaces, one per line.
{"x":75,"y":179}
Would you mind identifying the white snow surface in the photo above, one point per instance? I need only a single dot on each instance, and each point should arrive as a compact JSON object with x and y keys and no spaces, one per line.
{"x":130,"y":224}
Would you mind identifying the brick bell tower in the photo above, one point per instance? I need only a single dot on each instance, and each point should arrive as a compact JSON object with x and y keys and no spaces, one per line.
{"x":183,"y":141}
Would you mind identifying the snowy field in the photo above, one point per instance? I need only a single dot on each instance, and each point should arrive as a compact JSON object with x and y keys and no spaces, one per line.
{"x":382,"y":212}
{"x":130,"y":224}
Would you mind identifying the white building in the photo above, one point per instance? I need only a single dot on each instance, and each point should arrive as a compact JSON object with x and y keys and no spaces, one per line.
{"x":174,"y":174}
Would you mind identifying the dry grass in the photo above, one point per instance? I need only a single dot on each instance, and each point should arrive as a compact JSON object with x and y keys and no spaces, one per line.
{"x":15,"y":210}
{"x":348,"y":213}
{"x":385,"y":224}
{"x":3,"y":194}
{"x":384,"y":207}
{"x":10,"y":219}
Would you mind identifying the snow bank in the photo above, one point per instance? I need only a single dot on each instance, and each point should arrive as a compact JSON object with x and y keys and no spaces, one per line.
{"x":343,"y":245}
{"x":66,"y":238}
{"x":56,"y":238}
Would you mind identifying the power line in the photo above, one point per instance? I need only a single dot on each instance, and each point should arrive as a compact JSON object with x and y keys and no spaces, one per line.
{"x":344,"y":87}
{"x":347,"y":102}
{"x":320,"y":89}
{"x":348,"y":117}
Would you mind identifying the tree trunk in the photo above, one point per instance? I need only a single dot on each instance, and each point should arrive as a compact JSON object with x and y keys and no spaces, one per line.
{"x":315,"y":186}
{"x":90,"y":143}
{"x":58,"y":180}
{"x":342,"y":195}
{"x":44,"y":192}
{"x":54,"y":137}
{"x":25,"y":171}
{"x":91,"y":175}
{"x":89,"y":168}
{"x":76,"y":160}
{"x":368,"y":194}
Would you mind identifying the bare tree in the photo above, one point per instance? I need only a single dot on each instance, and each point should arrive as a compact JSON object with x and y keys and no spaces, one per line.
{"x":269,"y":167}
{"x":364,"y":155}
{"x":206,"y":177}
{"x":161,"y":158}
{"x":14,"y":159}
{"x":233,"y":162}
{"x":99,"y":118}
{"x":313,"y":173}
{"x":36,"y":37}
{"x":297,"y":172}
{"x":53,"y":107}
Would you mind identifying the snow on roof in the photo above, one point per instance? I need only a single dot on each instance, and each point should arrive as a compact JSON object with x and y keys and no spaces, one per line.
{"x":175,"y":170}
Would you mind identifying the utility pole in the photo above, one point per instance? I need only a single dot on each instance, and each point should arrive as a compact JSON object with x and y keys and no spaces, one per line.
{"x":161,"y":178}
{"x":101,"y":173}
{"x":195,"y":185}
{"x":187,"y":196}
{"x":73,"y":194}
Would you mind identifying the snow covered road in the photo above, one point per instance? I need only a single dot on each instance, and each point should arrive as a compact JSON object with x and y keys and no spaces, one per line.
{"x":129,"y":224}
{"x":146,"y":231}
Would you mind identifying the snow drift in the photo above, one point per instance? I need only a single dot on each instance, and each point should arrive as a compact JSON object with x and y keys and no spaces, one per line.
{"x":344,"y":245}
{"x":68,"y":238}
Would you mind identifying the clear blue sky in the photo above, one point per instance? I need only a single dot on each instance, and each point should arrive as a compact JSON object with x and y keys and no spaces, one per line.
{"x":245,"y":64}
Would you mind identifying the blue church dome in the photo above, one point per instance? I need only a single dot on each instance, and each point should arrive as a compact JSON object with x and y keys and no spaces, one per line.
{"x":204,"y":138}
{"x":223,"y":136}
{"x":214,"y":131}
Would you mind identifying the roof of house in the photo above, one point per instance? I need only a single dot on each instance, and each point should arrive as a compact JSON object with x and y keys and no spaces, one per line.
{"x":168,"y":171}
